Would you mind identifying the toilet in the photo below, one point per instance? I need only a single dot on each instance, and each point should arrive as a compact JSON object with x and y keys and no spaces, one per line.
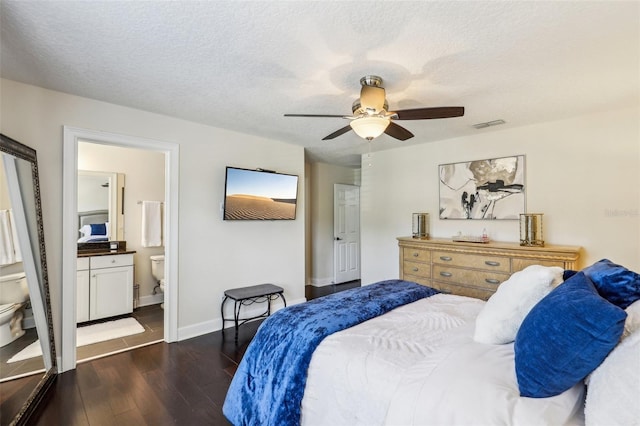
{"x":157,"y":270}
{"x":14,"y":294}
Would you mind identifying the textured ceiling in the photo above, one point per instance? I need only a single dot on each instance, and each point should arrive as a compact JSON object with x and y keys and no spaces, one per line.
{"x":242,"y":65}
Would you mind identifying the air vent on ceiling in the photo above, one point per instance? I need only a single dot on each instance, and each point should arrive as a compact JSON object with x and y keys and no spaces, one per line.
{"x":488,"y":124}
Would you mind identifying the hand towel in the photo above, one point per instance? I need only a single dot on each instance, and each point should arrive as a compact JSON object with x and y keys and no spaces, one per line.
{"x":151,"y":224}
{"x":14,"y":234}
{"x":9,"y":247}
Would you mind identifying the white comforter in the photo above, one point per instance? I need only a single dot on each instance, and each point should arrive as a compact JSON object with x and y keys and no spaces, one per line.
{"x":419,"y":365}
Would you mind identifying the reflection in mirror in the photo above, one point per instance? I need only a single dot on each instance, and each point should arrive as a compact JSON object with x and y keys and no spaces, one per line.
{"x":100,"y":202}
{"x":27,"y":352}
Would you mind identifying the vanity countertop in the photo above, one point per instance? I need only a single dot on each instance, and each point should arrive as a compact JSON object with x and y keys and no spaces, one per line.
{"x":101,"y":252}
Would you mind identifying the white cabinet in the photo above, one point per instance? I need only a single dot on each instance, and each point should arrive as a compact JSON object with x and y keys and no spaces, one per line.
{"x":82,"y":290}
{"x":109,"y":287}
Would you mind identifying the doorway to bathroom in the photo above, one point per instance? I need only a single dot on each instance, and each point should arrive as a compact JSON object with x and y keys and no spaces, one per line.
{"x":149,"y":171}
{"x":113,"y":181}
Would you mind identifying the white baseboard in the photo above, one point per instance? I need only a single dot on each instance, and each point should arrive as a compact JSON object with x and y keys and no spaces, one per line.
{"x":205,"y":327}
{"x":152,"y":299}
{"x":321,"y":282}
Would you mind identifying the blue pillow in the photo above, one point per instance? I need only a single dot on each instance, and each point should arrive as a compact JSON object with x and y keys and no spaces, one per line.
{"x":615,"y":283}
{"x":568,"y":273}
{"x":565,"y":337}
{"x":98,"y":229}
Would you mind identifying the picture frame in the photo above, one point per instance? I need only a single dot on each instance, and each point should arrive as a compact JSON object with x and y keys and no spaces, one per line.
{"x":488,"y":189}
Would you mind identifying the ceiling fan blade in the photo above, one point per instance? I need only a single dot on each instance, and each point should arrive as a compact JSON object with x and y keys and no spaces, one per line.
{"x":398,"y":132}
{"x":316,"y":115}
{"x":429,"y":113}
{"x":337,"y":133}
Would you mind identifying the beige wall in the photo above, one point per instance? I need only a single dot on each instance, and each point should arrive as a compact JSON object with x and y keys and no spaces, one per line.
{"x":144,"y":180}
{"x":213,"y":254}
{"x":582,"y":173}
{"x":322,"y":178}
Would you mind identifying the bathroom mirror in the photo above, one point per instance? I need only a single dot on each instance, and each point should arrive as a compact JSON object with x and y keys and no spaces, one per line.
{"x":22,"y":254}
{"x":100,"y":201}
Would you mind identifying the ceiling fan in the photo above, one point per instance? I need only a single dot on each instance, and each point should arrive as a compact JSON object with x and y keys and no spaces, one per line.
{"x":371,"y":116}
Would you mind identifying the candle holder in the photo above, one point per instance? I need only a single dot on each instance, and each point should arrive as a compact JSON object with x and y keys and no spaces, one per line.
{"x":531,"y":229}
{"x":421,"y":226}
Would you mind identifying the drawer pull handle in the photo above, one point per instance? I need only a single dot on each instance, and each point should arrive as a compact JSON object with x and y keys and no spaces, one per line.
{"x":491,"y":263}
{"x":492,"y":281}
{"x":416,"y":254}
{"x":415,"y":269}
{"x":446,"y":258}
{"x":446,"y":274}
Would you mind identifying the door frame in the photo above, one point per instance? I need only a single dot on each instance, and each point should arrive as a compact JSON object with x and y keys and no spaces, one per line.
{"x":71,"y":137}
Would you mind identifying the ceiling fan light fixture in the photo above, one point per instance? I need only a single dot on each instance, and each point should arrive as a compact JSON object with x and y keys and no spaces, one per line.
{"x":369,"y":127}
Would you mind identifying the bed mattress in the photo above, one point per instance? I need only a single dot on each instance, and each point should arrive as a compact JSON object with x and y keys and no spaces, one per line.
{"x":419,"y":365}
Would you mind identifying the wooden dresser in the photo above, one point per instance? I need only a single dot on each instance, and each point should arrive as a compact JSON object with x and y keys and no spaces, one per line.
{"x":474,"y":269}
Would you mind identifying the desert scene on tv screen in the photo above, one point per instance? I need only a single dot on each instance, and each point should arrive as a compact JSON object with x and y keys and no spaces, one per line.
{"x":253,"y":195}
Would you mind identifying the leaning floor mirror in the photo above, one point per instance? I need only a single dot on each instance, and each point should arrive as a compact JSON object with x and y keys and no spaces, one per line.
{"x":27,"y":350}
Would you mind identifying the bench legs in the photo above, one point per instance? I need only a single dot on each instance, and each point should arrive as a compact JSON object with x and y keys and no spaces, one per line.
{"x":237,"y":305}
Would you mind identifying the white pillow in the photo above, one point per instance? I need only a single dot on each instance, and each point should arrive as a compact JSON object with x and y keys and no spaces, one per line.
{"x":632,"y":323}
{"x":500,"y":319}
{"x":612,"y":393}
{"x":85,"y":230}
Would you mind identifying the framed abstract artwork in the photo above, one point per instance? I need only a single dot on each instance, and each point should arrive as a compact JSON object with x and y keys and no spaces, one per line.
{"x":483,"y":189}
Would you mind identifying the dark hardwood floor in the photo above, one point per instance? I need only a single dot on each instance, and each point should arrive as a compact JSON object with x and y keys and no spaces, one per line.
{"x":181,"y":383}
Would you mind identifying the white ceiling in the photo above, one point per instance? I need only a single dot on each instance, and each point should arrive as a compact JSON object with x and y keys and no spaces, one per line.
{"x":242,"y":65}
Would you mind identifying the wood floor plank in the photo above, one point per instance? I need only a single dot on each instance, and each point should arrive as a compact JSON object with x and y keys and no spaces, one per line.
{"x":97,"y":405}
{"x":64,"y":403}
{"x":131,"y":417}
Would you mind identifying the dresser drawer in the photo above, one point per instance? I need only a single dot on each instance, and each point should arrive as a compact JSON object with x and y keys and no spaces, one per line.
{"x":418,"y":279}
{"x":490,"y":263}
{"x":111,"y":261}
{"x":416,"y":268}
{"x":416,"y":255}
{"x":450,"y":288}
{"x":489,"y":280}
{"x":520,"y":264}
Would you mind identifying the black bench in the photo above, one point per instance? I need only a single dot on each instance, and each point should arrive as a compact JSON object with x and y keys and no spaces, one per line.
{"x":245,"y":296}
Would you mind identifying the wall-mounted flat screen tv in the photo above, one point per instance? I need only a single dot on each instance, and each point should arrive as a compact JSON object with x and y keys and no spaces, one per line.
{"x":259,"y":195}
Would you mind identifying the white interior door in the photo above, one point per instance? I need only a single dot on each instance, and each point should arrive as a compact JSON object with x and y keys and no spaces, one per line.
{"x":346,"y":225}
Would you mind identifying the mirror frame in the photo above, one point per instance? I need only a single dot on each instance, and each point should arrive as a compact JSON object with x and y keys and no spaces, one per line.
{"x":21,"y":151}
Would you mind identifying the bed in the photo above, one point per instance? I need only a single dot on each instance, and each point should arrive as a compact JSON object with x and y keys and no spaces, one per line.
{"x":375,"y":356}
{"x":93,"y":226}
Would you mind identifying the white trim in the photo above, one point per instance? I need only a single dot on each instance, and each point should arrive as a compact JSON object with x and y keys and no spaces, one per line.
{"x":206,"y":327}
{"x":199,"y":329}
{"x":152,"y":299}
{"x":141,"y":345}
{"x":20,"y":376}
{"x":322,"y":282}
{"x":69,"y":243}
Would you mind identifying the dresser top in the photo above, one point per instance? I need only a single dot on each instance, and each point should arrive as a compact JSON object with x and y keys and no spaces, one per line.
{"x":493,"y":246}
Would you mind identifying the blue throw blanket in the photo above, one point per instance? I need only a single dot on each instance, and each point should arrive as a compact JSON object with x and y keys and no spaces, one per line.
{"x":268,"y":386}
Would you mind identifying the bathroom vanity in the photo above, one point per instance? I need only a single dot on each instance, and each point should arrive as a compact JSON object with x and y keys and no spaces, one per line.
{"x":104,"y":285}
